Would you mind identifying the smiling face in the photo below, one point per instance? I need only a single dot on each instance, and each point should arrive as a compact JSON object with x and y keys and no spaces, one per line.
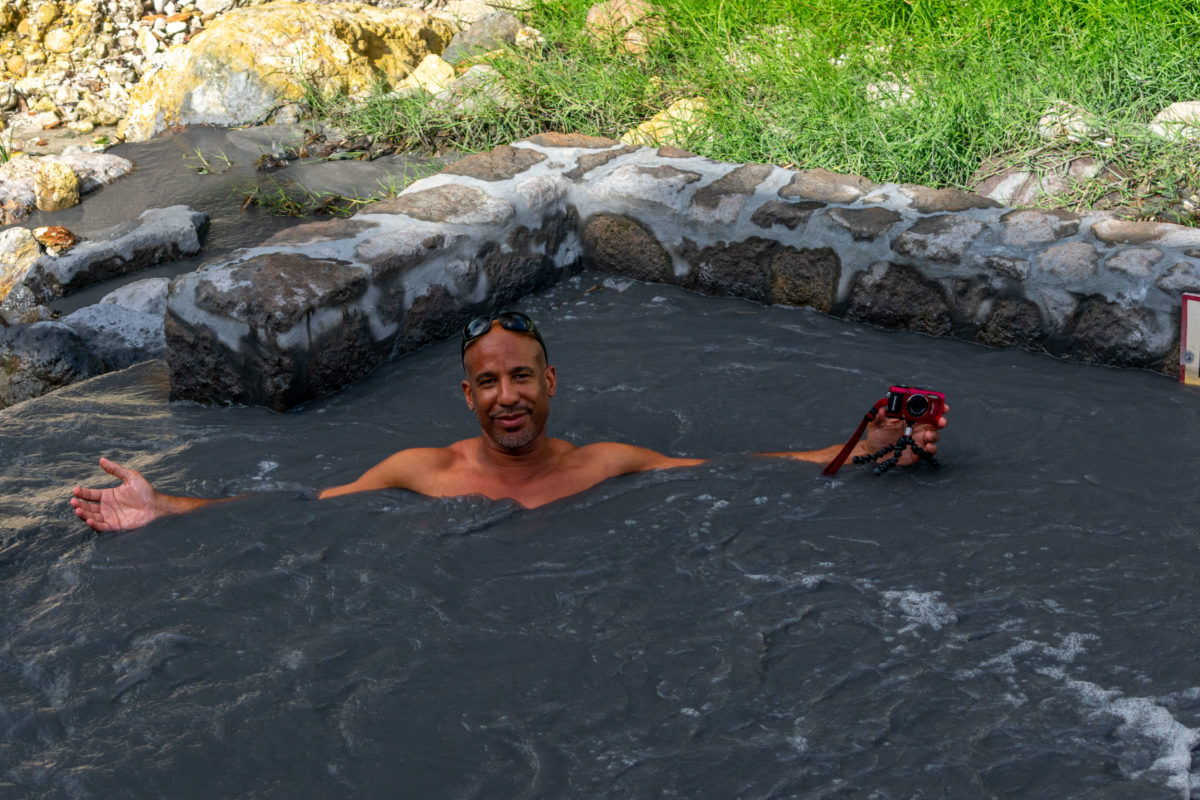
{"x":508,"y":385}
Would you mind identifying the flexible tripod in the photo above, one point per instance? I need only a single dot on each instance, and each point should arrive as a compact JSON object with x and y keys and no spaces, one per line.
{"x":903,"y":443}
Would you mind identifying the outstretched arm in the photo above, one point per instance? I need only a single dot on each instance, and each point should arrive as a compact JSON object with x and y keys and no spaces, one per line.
{"x":131,"y":505}
{"x":882,"y":432}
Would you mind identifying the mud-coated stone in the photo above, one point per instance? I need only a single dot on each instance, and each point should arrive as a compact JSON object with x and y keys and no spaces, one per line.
{"x":897,"y":296}
{"x":450,"y":202}
{"x":1117,"y":335}
{"x":621,"y":245}
{"x":1136,"y":261}
{"x":640,"y":185}
{"x":303,"y":331}
{"x":723,"y":199}
{"x":498,"y":164}
{"x":518,"y":269}
{"x":733,"y":269}
{"x":1029,"y":227}
{"x":864,"y":224}
{"x":805,"y":278}
{"x":1181,"y":277}
{"x":590,"y":161}
{"x":435,"y":314}
{"x":158,"y":235}
{"x":1016,"y":269}
{"x":944,"y":238}
{"x":1012,"y":322}
{"x":1072,"y":260}
{"x":782,"y":212}
{"x":120,"y":337}
{"x":41,"y":357}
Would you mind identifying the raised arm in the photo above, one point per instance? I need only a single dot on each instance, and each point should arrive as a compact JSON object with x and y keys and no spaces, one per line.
{"x":131,"y":505}
{"x":882,"y":432}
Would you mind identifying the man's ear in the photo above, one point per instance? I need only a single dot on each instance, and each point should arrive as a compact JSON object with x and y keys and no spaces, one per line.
{"x":551,"y":380}
{"x":466,"y":387}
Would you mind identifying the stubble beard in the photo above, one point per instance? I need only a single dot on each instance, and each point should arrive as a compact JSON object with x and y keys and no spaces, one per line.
{"x":516,"y":440}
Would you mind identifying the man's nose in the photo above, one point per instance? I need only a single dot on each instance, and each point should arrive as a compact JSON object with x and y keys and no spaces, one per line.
{"x":508,"y":392}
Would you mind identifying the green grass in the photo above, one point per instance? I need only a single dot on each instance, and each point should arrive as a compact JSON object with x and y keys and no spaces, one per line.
{"x":797,"y":82}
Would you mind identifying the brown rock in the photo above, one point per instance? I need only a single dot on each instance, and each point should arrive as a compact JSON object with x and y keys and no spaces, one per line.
{"x":1119,"y":231}
{"x":623,"y":246}
{"x":555,"y":139}
{"x":498,"y":164}
{"x":787,"y":214}
{"x":55,"y":239}
{"x":826,"y":186}
{"x":434,"y":315}
{"x":948,"y":199}
{"x":674,"y":152}
{"x":864,"y":224}
{"x":805,"y":278}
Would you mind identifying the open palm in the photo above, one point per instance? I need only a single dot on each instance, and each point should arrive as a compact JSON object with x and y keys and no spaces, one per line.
{"x":122,"y":508}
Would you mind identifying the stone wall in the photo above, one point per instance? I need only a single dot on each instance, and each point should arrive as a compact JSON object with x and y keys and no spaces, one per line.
{"x":323,"y":304}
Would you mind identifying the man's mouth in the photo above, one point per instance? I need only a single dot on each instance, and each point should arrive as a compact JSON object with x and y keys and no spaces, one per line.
{"x":511,"y":419}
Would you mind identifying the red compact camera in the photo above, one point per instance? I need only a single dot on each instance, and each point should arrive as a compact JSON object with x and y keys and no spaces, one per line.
{"x":915,"y":406}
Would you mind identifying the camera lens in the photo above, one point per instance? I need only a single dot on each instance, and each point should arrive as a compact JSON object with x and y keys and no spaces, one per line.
{"x":918,"y":405}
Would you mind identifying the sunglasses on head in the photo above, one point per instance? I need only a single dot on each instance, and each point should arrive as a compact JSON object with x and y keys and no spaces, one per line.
{"x":509,"y":320}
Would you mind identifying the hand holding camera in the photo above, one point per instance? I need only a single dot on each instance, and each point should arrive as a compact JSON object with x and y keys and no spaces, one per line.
{"x":902,"y":406}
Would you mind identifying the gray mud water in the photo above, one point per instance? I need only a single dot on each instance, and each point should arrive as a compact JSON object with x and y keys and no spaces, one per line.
{"x":213,"y":170}
{"x":1023,"y":623}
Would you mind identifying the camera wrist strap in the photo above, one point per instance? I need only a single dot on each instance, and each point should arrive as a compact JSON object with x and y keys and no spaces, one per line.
{"x":841,"y":457}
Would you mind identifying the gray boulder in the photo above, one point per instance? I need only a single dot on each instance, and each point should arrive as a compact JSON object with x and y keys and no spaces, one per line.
{"x":147,"y":296}
{"x":40,"y":358}
{"x":119,"y":337}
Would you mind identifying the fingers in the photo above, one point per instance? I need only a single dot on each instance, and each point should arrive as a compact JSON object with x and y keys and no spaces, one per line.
{"x":116,"y":470}
{"x":90,"y":513}
{"x":86,"y":494}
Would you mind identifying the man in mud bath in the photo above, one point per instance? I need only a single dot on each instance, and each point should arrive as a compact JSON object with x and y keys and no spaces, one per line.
{"x":508,"y":383}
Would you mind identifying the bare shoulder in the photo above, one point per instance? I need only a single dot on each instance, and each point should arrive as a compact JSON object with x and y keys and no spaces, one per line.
{"x":617,"y":458}
{"x":415,"y":468}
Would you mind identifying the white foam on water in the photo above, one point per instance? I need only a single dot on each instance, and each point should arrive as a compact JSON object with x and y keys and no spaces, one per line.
{"x":921,"y":609}
{"x":1144,"y":718}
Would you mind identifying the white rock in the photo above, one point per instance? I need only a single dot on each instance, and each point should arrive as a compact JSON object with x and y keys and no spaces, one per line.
{"x":1067,"y":121}
{"x":174,"y":28}
{"x":1178,"y":121}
